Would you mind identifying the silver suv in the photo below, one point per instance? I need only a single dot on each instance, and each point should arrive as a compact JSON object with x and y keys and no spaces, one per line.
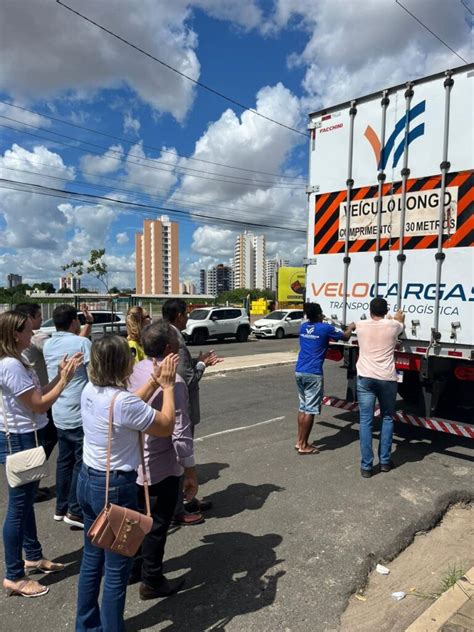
{"x":217,"y":322}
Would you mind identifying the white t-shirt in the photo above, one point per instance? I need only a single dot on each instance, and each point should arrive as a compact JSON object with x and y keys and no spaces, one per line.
{"x":16,"y":379}
{"x":377,"y":340}
{"x":131,"y":416}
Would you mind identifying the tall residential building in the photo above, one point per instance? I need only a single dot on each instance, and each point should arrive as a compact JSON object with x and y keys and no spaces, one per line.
{"x":271,"y":271}
{"x":70,"y":282}
{"x":202,"y":282}
{"x":14,"y":280}
{"x":249,"y":261}
{"x":157,"y":258}
{"x":219,"y":279}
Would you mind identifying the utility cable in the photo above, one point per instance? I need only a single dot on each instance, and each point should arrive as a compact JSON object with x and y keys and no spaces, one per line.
{"x":151,"y":147}
{"x":141,"y":164}
{"x":108,"y":151}
{"x":178,"y":72}
{"x":137,"y":194}
{"x":427,"y":28}
{"x":38,"y":188}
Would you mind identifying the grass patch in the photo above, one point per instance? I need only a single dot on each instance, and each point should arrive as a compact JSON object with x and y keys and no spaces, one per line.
{"x":448,"y":580}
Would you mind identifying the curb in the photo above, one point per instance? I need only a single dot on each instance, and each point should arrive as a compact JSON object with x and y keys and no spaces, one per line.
{"x":448,"y":605}
{"x":248,"y":367}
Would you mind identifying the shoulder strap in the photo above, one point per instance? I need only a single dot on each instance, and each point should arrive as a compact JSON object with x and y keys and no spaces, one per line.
{"x":109,"y":448}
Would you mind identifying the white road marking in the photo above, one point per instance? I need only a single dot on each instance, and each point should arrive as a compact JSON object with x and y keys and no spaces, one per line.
{"x":223,"y":432}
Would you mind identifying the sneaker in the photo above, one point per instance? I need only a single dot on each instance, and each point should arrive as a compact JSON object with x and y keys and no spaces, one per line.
{"x":58,"y":517}
{"x":74,"y":521}
{"x":365,"y":473}
{"x":386,"y":467}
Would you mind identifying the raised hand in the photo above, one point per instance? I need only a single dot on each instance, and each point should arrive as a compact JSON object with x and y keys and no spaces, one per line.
{"x":68,"y":366}
{"x":165,"y":374}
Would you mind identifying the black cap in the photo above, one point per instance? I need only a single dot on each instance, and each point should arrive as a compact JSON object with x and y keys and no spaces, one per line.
{"x":378,"y":306}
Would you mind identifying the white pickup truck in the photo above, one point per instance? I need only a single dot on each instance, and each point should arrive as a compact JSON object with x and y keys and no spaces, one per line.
{"x":391,"y":201}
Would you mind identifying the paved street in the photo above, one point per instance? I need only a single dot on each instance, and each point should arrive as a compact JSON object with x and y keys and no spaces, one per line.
{"x":231,"y":348}
{"x":289,"y":537}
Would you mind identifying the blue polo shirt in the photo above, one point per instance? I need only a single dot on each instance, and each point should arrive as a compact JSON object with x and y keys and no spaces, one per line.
{"x":67,"y":409}
{"x":314,"y":342}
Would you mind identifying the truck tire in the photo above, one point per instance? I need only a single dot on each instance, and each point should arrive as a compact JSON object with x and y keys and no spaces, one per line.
{"x":242,"y":334}
{"x":199,"y":336}
{"x":280,"y":333}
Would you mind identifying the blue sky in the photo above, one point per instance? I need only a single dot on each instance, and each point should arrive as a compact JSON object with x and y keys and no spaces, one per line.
{"x":284,"y":58}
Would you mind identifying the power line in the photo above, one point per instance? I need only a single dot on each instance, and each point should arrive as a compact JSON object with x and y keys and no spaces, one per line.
{"x":257,"y":184}
{"x":182,"y":200}
{"x":425,"y":27}
{"x":154,"y":161}
{"x":178,"y":72}
{"x":151,"y":147}
{"x":466,"y":7}
{"x":53,"y":192}
{"x":116,"y":189}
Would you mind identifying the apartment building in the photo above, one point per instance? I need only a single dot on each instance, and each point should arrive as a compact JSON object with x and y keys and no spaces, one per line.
{"x":157,"y":257}
{"x":271,"y":271}
{"x":249,"y":261}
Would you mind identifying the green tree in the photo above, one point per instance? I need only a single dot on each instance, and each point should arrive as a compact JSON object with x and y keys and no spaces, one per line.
{"x":44,"y":286}
{"x":95,"y":266}
{"x":114,"y":290}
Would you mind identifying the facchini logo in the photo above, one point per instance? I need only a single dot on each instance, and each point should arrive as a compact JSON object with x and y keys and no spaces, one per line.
{"x":382,"y":155}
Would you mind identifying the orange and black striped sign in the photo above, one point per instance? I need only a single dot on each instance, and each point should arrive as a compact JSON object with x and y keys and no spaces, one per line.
{"x":327,"y":238}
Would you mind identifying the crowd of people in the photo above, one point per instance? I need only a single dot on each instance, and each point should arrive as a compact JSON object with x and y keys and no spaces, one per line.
{"x":68,"y":391}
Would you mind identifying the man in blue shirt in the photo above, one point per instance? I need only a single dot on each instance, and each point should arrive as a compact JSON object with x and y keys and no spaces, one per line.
{"x":67,"y":411}
{"x":314,"y":342}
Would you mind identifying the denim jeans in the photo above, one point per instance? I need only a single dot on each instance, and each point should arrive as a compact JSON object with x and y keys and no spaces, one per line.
{"x":310,"y":392}
{"x":163,"y":497}
{"x":95,"y":561}
{"x":68,"y":467}
{"x":368,"y":390}
{"x":19,"y":528}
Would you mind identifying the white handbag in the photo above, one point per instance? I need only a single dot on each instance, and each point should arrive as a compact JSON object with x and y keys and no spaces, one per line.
{"x":26,"y":466}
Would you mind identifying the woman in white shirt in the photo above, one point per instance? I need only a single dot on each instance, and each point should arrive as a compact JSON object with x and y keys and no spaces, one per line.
{"x":24,"y":404}
{"x":111,"y":364}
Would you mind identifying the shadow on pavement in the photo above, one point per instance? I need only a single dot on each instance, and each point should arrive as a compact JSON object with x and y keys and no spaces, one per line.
{"x":209,"y":471}
{"x":226,"y":576}
{"x":410,"y":444}
{"x":72,"y":561}
{"x":239,"y":497}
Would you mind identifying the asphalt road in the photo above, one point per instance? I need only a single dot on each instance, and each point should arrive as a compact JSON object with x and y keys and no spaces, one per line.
{"x":231,"y":348}
{"x":289,"y":538}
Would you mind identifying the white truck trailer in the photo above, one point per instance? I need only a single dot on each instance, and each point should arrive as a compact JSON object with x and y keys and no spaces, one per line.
{"x":391,"y":201}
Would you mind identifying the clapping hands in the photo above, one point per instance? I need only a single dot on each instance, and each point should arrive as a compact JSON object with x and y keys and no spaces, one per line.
{"x":210,"y":358}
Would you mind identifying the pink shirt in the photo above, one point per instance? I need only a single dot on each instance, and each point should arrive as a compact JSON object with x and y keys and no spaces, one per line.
{"x":377,"y":340}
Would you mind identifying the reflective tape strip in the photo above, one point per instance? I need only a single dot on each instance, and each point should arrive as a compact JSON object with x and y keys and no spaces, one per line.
{"x":439,"y":425}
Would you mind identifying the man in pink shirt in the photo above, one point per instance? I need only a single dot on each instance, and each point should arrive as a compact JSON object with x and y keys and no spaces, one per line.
{"x":377,"y":379}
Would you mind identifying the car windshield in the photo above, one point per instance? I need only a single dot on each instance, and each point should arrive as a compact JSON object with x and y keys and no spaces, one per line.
{"x":199,"y":314}
{"x":48,"y":323}
{"x":275,"y":316}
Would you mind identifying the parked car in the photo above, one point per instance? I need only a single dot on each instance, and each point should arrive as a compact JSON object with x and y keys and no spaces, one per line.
{"x":217,"y":322}
{"x":105,"y":321}
{"x":281,"y":323}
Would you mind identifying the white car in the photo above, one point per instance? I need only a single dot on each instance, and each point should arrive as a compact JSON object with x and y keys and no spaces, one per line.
{"x":217,"y":322}
{"x":281,"y":323}
{"x":105,"y":321}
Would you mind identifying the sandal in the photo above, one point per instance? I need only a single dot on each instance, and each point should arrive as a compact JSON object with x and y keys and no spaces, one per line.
{"x":43,"y":566}
{"x":24,"y":588}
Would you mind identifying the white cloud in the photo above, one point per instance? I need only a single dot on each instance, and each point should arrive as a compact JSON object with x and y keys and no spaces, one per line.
{"x":357,"y":47}
{"x":131,"y":125}
{"x":109,"y":162}
{"x":22,"y":118}
{"x":213,"y":239}
{"x":55,"y":51}
{"x":122,"y":238}
{"x":147,"y":173}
